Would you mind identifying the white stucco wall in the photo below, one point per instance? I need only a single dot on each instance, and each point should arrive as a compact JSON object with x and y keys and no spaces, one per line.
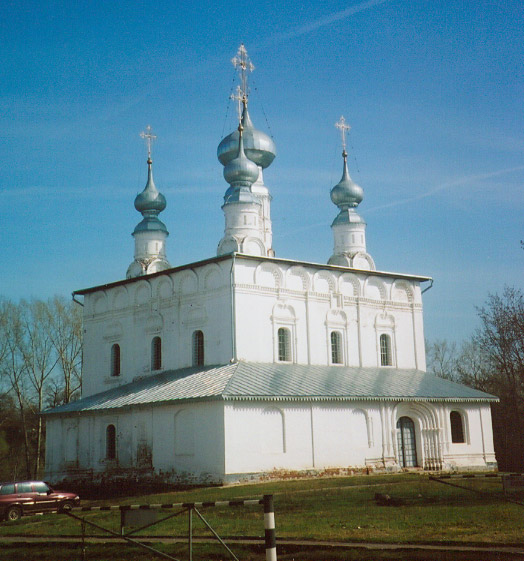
{"x":312,"y":302}
{"x":213,"y":441}
{"x":171,"y":306}
{"x":184,"y":441}
{"x":283,"y":436}
{"x":308,"y":300}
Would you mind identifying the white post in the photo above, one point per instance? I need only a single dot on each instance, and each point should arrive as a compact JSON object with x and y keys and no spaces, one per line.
{"x":269,"y":526}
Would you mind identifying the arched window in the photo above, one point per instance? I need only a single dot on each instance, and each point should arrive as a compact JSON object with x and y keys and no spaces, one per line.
{"x":110,"y":442}
{"x":115,"y":360}
{"x":156,"y":353}
{"x":457,"y":428}
{"x":385,"y":350}
{"x":336,"y":347}
{"x":284,"y":345}
{"x":198,"y":348}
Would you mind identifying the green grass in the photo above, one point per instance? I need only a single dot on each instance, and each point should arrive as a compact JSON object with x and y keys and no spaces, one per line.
{"x":338,"y":509}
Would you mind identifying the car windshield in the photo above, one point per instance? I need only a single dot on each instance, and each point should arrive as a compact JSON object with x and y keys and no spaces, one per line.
{"x":8,"y":489}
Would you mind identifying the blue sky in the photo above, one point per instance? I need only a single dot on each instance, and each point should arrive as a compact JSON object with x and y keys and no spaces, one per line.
{"x":433,"y":91}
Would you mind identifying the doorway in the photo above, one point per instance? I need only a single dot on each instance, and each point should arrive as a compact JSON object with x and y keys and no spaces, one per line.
{"x":406,"y":443}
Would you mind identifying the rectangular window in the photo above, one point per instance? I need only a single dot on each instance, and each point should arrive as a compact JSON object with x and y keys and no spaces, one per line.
{"x":198,"y":348}
{"x":284,"y":345}
{"x":457,"y":428}
{"x":336,"y":348}
{"x":385,"y":350}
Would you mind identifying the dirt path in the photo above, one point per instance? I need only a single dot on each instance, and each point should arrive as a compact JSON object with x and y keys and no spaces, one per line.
{"x":488,"y":549}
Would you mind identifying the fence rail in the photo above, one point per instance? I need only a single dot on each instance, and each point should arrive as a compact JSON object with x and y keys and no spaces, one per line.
{"x":165,"y":506}
{"x":189,"y":508}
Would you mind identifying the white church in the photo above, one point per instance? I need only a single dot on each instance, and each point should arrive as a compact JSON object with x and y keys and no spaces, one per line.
{"x":247,"y":365}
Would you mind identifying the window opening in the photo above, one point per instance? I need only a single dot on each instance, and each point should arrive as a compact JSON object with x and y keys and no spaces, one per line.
{"x":115,"y":360}
{"x":156,"y":353}
{"x":111,"y":442}
{"x":198,"y":348}
{"x":284,"y":345}
{"x":385,"y":350}
{"x":457,"y":428}
{"x":336,"y":347}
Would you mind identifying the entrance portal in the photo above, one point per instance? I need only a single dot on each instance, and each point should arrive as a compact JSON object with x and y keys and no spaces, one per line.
{"x":406,"y":443}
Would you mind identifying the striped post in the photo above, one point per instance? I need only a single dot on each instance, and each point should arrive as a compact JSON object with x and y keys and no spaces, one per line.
{"x":269,"y":526}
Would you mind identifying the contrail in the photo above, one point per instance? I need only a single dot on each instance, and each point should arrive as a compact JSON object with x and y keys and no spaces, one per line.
{"x":322,"y":22}
{"x":217,"y":60}
{"x":447,"y":185}
{"x":438,"y":188}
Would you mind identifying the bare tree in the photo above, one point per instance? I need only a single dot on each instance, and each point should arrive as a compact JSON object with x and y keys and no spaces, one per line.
{"x":441,"y":359}
{"x":40,"y":358}
{"x":65,"y":330}
{"x":473,"y":367}
{"x":13,"y":369}
{"x":500,"y":342}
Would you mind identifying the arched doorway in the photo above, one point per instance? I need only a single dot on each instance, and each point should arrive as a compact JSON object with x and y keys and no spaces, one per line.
{"x":406,"y":442}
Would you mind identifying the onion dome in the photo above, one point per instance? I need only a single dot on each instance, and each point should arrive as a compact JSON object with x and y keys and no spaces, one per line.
{"x":240,"y":171}
{"x":346,"y":193}
{"x":258,"y":146}
{"x":150,"y":202}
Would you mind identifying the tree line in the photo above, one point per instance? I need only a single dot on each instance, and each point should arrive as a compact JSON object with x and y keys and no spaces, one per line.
{"x":40,"y":367}
{"x":492,"y":360}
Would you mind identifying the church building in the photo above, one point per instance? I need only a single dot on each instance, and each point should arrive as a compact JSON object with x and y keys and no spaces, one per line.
{"x":247,"y":365}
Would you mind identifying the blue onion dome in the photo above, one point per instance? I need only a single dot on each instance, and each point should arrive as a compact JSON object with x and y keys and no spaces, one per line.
{"x":150,"y":201}
{"x":240,"y":171}
{"x":258,"y":146}
{"x":346,"y":193}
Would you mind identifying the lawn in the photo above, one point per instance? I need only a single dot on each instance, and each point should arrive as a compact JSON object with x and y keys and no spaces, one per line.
{"x":337,"y":509}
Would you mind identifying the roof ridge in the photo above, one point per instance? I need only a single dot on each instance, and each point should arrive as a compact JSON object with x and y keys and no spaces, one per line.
{"x":235,"y":364}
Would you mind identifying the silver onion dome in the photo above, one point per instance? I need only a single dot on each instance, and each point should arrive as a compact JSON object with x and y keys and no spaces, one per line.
{"x":258,"y":146}
{"x":240,"y":171}
{"x":150,"y":200}
{"x":346,"y":193}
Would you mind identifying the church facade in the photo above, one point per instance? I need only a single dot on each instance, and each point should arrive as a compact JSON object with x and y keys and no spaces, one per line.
{"x":246,"y":364}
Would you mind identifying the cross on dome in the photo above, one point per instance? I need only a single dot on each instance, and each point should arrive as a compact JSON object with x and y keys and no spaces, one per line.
{"x":239,"y":98}
{"x":243,"y":64}
{"x":149,"y":137}
{"x":343,"y":127}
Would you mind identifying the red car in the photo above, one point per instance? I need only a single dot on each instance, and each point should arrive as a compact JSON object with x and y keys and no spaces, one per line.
{"x":28,"y":497}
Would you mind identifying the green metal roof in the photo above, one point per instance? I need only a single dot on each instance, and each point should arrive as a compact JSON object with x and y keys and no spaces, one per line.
{"x":277,"y":382}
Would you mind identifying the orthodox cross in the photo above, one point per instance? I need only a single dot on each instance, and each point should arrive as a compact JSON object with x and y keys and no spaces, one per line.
{"x":239,"y":98}
{"x":343,"y":127}
{"x":149,"y":137}
{"x":243,"y":64}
